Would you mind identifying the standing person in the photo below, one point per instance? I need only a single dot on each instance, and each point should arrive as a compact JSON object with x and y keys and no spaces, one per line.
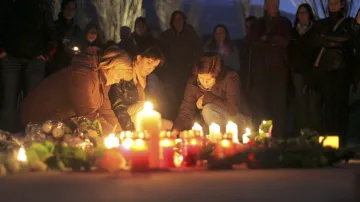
{"x":80,"y":90}
{"x":91,"y":38}
{"x":140,"y":40}
{"x":69,"y":35}
{"x":302,"y":55}
{"x":221,"y":43}
{"x":268,"y":39}
{"x":333,"y":66}
{"x":243,"y":54}
{"x":28,"y":36}
{"x":182,"y":48}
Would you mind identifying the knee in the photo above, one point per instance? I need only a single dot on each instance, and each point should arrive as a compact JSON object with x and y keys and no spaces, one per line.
{"x":209,"y":109}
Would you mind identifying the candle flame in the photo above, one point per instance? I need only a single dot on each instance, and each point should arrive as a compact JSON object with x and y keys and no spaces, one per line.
{"x":111,"y":141}
{"x":127,"y":143}
{"x":148,"y":106}
{"x":75,"y":48}
{"x":21,"y":156}
{"x":264,"y":122}
{"x":197,"y":127}
{"x":247,"y":130}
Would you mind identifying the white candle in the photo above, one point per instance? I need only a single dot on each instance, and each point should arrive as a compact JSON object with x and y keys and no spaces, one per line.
{"x":214,"y":130}
{"x":111,"y":141}
{"x":150,"y":120}
{"x":197,"y":127}
{"x":245,"y":136}
{"x":232,"y":128}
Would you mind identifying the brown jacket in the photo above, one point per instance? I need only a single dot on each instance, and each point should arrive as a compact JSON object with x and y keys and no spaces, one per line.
{"x":75,"y":91}
{"x":225,"y":93}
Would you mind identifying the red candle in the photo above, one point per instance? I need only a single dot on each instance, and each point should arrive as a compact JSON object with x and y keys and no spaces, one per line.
{"x":140,"y":155}
{"x":167,"y":152}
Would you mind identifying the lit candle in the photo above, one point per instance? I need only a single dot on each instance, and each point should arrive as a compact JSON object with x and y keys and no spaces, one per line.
{"x":330,"y":141}
{"x":214,"y":130}
{"x":149,"y":120}
{"x":139,"y":153}
{"x":21,"y":155}
{"x":245,"y":137}
{"x":111,"y":141}
{"x":197,"y":127}
{"x":232,"y":129}
{"x":167,"y":144}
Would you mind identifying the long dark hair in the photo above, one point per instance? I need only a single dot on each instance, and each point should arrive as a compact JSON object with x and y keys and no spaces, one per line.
{"x":99,"y":41}
{"x":213,"y":45}
{"x":172,"y":18}
{"x":211,"y":63}
{"x":308,"y":8}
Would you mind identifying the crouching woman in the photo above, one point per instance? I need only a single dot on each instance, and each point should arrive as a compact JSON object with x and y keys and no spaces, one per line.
{"x":128,"y":95}
{"x":214,"y":91}
{"x":81,"y":90}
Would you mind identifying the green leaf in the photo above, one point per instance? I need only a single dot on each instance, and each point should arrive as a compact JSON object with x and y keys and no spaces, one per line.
{"x":50,"y":146}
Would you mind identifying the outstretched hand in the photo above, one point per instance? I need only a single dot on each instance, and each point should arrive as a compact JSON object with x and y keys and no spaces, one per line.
{"x":199,"y":102}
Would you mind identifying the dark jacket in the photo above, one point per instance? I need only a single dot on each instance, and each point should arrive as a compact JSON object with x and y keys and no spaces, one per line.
{"x":302,"y":51}
{"x":76,"y":91}
{"x":270,"y":54}
{"x":337,"y":52}
{"x":27,"y":28}
{"x":137,"y":44}
{"x":69,"y":35}
{"x":122,"y":95}
{"x":225,"y":93}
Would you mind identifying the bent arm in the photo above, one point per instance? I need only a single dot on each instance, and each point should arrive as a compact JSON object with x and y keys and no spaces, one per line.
{"x":116,"y":96}
{"x":232,"y":99}
{"x":187,"y":109}
{"x":82,"y":100}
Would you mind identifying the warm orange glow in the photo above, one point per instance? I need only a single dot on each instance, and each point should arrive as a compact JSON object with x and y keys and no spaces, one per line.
{"x":127,"y":143}
{"x":140,"y":145}
{"x":111,"y":141}
{"x":193,"y":142}
{"x":225,"y":143}
{"x":167,"y":143}
{"x":178,"y":159}
{"x":330,"y":141}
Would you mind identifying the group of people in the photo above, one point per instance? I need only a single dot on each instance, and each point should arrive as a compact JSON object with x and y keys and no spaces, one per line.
{"x":223,"y":81}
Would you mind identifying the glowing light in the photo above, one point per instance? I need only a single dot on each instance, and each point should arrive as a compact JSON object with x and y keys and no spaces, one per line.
{"x":197,"y":127}
{"x":140,"y":145}
{"x":127,"y":143}
{"x":111,"y":141}
{"x":232,"y":128}
{"x":225,"y":143}
{"x":148,"y":106}
{"x":330,"y":141}
{"x":75,"y":48}
{"x":178,"y":159}
{"x":245,"y":136}
{"x":21,"y":155}
{"x":193,"y":142}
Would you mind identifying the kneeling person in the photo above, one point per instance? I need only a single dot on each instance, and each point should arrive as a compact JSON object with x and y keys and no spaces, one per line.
{"x":215,"y":91}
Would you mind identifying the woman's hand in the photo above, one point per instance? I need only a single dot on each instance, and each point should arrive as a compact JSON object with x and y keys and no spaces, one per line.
{"x":199,"y":102}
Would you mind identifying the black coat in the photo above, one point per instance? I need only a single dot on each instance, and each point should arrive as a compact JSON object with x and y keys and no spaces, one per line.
{"x":137,"y":44}
{"x":27,"y":28}
{"x":337,"y":44}
{"x":122,"y":95}
{"x":302,"y":51}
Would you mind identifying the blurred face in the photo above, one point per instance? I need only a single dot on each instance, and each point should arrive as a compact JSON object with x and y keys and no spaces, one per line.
{"x":69,"y":11}
{"x":220,"y":35}
{"x":272,"y":7}
{"x":335,"y":6}
{"x":140,"y":28}
{"x":178,"y":22}
{"x":91,"y":35}
{"x":146,"y":65}
{"x":304,"y":15}
{"x":206,"y":80}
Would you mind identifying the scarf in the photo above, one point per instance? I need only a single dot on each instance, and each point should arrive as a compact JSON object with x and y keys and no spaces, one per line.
{"x":302,"y":29}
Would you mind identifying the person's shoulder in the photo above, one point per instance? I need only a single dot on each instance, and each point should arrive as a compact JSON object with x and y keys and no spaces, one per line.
{"x":231,"y":74}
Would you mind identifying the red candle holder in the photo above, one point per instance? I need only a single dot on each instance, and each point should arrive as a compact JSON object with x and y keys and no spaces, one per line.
{"x":167,"y":149}
{"x":225,"y":146}
{"x":191,"y":144}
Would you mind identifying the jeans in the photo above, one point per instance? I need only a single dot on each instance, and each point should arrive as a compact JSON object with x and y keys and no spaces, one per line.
{"x":18,"y":74}
{"x":212,"y":113}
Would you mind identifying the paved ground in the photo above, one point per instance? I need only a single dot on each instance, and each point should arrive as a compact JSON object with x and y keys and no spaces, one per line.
{"x":325,"y":185}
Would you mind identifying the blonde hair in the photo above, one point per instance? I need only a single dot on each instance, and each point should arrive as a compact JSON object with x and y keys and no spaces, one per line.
{"x":116,"y":58}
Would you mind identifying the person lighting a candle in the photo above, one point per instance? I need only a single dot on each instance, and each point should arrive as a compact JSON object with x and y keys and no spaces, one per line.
{"x":128,"y":95}
{"x":214,"y":90}
{"x":81,"y":90}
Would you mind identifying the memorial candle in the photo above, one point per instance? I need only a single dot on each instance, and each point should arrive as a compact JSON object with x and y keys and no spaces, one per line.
{"x":167,"y":144}
{"x":231,"y":128}
{"x":111,"y":141}
{"x":214,"y":130}
{"x":245,"y":136}
{"x":149,"y":120}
